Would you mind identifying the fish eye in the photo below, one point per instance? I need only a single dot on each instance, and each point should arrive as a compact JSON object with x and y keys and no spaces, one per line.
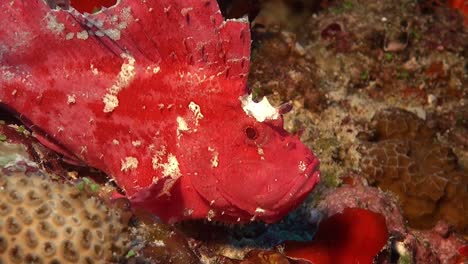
{"x":255,"y":135}
{"x":251,"y":133}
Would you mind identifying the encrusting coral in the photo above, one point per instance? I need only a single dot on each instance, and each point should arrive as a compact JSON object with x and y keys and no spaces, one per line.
{"x":405,"y":245}
{"x":42,"y":221}
{"x":403,"y":156}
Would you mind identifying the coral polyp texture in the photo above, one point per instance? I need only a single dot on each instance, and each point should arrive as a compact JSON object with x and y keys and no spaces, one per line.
{"x":404,"y":156}
{"x":42,"y":221}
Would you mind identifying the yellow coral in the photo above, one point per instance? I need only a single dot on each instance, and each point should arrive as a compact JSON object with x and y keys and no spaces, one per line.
{"x":42,"y":221}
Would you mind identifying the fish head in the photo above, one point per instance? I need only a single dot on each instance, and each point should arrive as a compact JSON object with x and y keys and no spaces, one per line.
{"x":258,"y":170}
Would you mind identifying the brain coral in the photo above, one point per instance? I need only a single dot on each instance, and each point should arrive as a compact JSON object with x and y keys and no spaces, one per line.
{"x":42,"y":221}
{"x":403,"y":156}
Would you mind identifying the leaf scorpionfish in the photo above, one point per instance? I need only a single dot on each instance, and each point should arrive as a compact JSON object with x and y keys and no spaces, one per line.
{"x":154,"y":94}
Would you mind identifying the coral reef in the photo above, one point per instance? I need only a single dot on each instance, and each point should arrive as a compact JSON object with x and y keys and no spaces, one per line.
{"x":16,"y":150}
{"x":355,"y":58}
{"x":42,"y":221}
{"x":258,"y":257}
{"x":339,"y":64}
{"x":403,"y":156}
{"x":360,"y":195}
{"x":22,"y":152}
{"x":159,"y":242}
{"x":438,"y":245}
{"x":282,"y":56}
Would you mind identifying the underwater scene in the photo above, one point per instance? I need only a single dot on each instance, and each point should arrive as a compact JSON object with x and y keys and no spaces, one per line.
{"x":234,"y":131}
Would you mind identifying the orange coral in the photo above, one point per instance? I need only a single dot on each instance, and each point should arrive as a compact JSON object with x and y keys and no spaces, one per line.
{"x":405,"y":158}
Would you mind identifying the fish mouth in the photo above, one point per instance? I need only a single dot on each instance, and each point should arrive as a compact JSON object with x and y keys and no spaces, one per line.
{"x":296,"y":194}
{"x":272,"y":206}
{"x":312,"y":167}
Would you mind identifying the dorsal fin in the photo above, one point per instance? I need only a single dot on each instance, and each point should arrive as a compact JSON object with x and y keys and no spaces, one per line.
{"x":186,"y":35}
{"x":87,"y":80}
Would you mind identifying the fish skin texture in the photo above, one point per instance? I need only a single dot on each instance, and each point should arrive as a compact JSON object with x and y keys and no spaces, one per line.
{"x":149,"y":92}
